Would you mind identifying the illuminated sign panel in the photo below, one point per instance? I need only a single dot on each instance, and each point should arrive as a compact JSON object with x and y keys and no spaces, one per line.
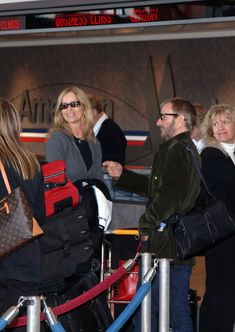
{"x":12,"y":23}
{"x":141,"y":15}
{"x":94,"y":19}
{"x":111,"y":18}
{"x":73,"y":20}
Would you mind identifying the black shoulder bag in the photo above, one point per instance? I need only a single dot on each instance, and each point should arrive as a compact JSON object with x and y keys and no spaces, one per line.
{"x":202,"y":227}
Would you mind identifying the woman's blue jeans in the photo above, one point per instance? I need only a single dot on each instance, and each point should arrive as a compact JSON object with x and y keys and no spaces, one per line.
{"x":180,"y":313}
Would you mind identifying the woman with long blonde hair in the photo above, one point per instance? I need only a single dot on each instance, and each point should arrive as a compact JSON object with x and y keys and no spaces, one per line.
{"x":20,"y":270}
{"x":71,"y":137}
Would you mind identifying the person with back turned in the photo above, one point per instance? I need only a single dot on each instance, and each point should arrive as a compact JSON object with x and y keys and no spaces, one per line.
{"x":107,"y":131}
{"x":173,"y":187}
{"x":20,"y":271}
{"x":196,"y":133}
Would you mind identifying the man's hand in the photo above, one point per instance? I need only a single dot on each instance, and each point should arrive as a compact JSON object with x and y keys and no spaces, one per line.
{"x":144,"y":237}
{"x":144,"y":243}
{"x":114,"y":169}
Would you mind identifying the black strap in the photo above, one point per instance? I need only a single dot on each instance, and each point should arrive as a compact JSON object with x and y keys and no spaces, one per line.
{"x":51,"y":185}
{"x":198,"y":168}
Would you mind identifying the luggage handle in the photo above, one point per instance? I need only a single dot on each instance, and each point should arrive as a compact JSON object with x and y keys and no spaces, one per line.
{"x":51,"y":185}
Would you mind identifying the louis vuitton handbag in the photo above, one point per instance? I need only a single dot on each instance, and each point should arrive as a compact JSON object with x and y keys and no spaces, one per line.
{"x":17,"y":225}
{"x":202,"y":227}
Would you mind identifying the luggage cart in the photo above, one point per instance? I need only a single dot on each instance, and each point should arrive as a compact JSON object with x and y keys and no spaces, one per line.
{"x":123,"y":291}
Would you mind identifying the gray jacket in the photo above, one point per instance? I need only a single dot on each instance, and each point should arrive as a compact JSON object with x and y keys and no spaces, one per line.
{"x":61,"y":146}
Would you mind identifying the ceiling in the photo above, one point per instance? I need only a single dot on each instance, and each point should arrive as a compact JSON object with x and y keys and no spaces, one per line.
{"x":216,"y":26}
{"x":15,"y":6}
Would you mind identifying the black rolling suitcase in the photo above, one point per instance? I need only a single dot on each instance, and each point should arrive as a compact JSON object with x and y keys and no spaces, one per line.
{"x":67,"y":262}
{"x":93,"y":316}
{"x":66,"y":248}
{"x":66,"y":271}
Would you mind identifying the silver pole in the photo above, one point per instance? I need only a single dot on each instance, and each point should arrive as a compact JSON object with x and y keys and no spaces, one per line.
{"x":164,"y":295}
{"x":33,"y":313}
{"x":102,"y":262}
{"x":146,"y":260}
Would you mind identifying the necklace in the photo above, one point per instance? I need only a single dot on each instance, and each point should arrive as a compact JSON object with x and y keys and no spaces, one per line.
{"x":79,"y":139}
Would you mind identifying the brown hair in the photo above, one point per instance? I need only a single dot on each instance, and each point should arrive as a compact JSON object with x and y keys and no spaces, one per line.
{"x":96,"y":103}
{"x":11,"y":149}
{"x":185,"y":108}
{"x":201,"y":112}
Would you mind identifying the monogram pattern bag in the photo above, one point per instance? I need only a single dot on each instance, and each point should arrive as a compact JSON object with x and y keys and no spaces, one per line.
{"x":17,"y":225}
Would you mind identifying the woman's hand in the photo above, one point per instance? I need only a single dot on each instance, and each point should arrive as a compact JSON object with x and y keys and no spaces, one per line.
{"x":113,"y":168}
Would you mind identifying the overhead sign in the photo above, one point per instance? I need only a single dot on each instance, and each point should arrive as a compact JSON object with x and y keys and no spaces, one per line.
{"x":109,"y":18}
{"x":12,"y":23}
{"x":129,"y":15}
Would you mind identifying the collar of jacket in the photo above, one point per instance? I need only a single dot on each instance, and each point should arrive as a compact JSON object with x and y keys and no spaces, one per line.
{"x":179,"y":137}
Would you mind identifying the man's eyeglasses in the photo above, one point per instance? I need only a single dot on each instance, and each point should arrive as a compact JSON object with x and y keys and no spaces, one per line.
{"x":162,"y":115}
{"x":73,"y":104}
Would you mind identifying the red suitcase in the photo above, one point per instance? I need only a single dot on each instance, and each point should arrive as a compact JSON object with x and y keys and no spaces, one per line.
{"x":60,"y":192}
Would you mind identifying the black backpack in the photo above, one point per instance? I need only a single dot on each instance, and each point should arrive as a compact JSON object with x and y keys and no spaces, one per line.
{"x":66,"y":247}
{"x":93,"y":316}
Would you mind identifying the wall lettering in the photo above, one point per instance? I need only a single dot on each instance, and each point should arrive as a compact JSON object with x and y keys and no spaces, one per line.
{"x":41,"y":110}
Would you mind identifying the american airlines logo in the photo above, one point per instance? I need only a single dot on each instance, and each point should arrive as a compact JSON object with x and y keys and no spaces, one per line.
{"x":37,"y":112}
{"x":41,"y":110}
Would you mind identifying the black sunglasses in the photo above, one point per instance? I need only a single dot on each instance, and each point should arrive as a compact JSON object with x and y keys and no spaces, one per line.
{"x":162,"y":115}
{"x":73,"y":104}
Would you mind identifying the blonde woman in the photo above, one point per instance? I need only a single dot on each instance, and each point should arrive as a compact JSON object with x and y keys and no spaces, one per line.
{"x":218,"y":166}
{"x":72,"y":140}
{"x":19,"y":271}
{"x":71,"y":136}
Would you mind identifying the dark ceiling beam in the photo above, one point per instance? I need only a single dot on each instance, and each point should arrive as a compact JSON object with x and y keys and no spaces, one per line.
{"x":36,"y":6}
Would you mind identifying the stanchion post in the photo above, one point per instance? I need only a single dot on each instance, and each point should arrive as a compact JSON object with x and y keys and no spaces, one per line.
{"x":33,"y":313}
{"x":164,"y":295}
{"x":146,"y":262}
